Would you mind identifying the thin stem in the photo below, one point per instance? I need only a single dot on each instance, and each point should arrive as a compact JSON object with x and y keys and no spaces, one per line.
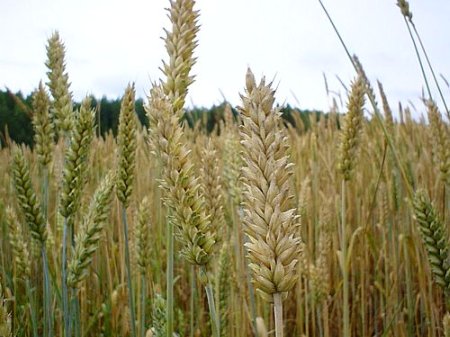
{"x":45,"y":179}
{"x":169,"y":285}
{"x":419,"y":59}
{"x":143,"y":298}
{"x":375,"y":109}
{"x":65,"y":292}
{"x":337,"y":33}
{"x":32,"y":308}
{"x":75,"y":312}
{"x":215,"y":323}
{"x":409,"y":291}
{"x":345,"y":281}
{"x":431,"y":69}
{"x":251,"y":291}
{"x":128,"y":270}
{"x":47,"y":296}
{"x":278,"y":313}
{"x":192,"y":300}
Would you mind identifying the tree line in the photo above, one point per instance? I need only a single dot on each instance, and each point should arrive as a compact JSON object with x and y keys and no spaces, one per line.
{"x":16,"y":116}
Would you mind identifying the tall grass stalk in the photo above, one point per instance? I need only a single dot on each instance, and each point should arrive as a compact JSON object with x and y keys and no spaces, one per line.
{"x":32,"y":304}
{"x":169,"y":277}
{"x":192,"y":299}
{"x":128,"y":271}
{"x":345,"y":276}
{"x":215,"y":322}
{"x":48,"y":316}
{"x":278,"y":313}
{"x":142,"y":317}
{"x":431,"y":69}
{"x":372,"y":101}
{"x":407,"y":16}
{"x":65,"y":291}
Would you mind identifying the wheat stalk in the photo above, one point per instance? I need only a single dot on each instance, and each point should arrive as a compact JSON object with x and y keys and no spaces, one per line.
{"x":125,"y":176}
{"x":270,"y":224}
{"x":348,"y":152}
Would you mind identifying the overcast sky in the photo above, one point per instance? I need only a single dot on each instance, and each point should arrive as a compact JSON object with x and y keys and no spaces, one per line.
{"x":110,"y":43}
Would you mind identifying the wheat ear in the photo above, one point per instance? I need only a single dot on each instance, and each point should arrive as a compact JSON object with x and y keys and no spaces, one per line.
{"x":435,"y":239}
{"x":350,"y":136}
{"x":18,"y":244}
{"x":404,"y":8}
{"x":27,"y":199}
{"x":126,"y":140}
{"x":43,"y":126}
{"x":87,"y":241}
{"x":387,"y":110}
{"x":59,"y":85}
{"x":180,"y":44}
{"x":31,"y":209}
{"x":181,"y":188}
{"x":75,"y":168}
{"x":211,"y":181}
{"x":270,"y":224}
{"x":74,"y":178}
{"x":441,"y":139}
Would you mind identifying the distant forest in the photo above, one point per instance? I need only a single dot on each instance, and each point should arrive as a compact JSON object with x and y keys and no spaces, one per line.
{"x":16,"y":114}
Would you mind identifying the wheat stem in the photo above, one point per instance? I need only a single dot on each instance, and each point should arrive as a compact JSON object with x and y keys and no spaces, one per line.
{"x":169,"y":275}
{"x":47,"y":295}
{"x":418,"y":59}
{"x":431,"y":69}
{"x":143,"y":299}
{"x":345,"y":279}
{"x":34,"y":324}
{"x":193,"y":282}
{"x":278,"y":313}
{"x":211,"y":304}
{"x":128,"y":271}
{"x":65,"y":293}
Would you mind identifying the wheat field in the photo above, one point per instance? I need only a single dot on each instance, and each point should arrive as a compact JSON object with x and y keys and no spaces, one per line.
{"x":332,"y":227}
